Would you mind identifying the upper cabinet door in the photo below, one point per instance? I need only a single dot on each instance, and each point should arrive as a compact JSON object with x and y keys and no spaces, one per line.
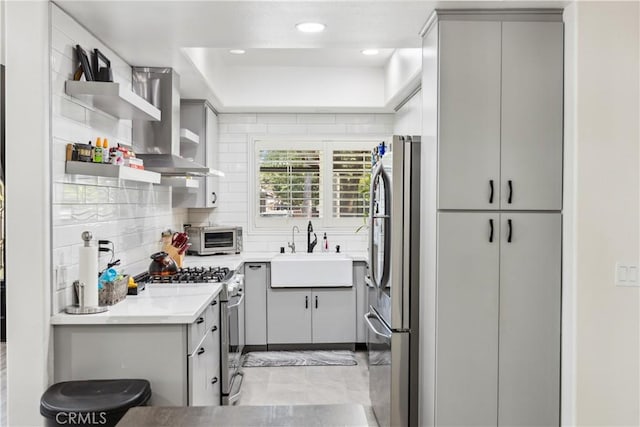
{"x":532,"y":96}
{"x":469,"y":98}
{"x":211,"y":130}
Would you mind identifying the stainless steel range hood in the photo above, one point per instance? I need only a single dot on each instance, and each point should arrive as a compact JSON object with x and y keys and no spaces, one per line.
{"x":158,"y":143}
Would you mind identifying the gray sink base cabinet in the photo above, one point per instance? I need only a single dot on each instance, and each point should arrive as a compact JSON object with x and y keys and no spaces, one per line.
{"x":311,"y":316}
{"x":182,"y":362}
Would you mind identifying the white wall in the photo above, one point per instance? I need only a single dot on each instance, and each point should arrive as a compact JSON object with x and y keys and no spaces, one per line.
{"x":313,"y":87}
{"x":236,"y":133}
{"x":28,"y":211}
{"x":130,"y":214}
{"x":402,"y":74}
{"x":408,"y":120}
{"x":605,"y":114}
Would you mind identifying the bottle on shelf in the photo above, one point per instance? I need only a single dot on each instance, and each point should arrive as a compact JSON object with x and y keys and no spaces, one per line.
{"x":97,"y":152}
{"x":105,"y":151}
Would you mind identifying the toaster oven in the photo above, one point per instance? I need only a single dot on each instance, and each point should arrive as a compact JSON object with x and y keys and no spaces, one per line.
{"x":211,"y":240}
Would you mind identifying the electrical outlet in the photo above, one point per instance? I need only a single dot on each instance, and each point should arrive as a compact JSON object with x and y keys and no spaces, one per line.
{"x":626,"y":275}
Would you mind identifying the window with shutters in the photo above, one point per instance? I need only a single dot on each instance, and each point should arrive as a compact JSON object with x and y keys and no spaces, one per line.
{"x":290,"y":183}
{"x":326,"y":182}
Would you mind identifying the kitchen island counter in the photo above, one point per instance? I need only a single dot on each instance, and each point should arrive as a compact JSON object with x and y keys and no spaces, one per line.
{"x":157,"y":304}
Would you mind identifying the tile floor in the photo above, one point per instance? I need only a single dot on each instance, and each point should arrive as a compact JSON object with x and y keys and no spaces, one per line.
{"x":308,"y":385}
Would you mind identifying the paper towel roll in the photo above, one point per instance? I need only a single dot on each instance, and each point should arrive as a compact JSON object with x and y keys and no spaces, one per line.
{"x":88,"y":274}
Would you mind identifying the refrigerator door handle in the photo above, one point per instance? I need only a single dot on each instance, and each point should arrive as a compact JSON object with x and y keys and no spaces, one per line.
{"x":379,"y":173}
{"x":375,"y":331}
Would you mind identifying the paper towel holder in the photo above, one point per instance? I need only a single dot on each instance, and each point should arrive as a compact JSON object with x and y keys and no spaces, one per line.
{"x":80,"y":308}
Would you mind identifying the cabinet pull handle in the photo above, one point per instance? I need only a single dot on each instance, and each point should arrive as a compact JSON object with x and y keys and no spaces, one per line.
{"x":214,"y":302}
{"x":200,"y":320}
{"x":255,"y":267}
{"x":491,"y":230}
{"x":491,"y":192}
{"x":306,"y":302}
{"x":215,"y":197}
{"x":510,"y":230}
{"x":215,"y":328}
{"x":200,"y":351}
{"x":510,"y":183}
{"x":316,"y":301}
{"x":214,"y":380}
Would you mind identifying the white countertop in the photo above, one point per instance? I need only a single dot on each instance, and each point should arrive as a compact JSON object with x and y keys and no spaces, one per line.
{"x":157,"y":304}
{"x":167,"y":303}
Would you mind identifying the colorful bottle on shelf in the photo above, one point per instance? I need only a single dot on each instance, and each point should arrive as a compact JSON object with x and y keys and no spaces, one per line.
{"x":97,"y":152}
{"x":105,"y":151}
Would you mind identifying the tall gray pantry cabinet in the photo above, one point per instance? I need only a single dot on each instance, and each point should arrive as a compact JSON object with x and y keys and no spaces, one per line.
{"x":493,"y":126}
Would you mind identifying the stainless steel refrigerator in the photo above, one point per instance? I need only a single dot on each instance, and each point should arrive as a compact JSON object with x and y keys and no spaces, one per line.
{"x":394,"y":245}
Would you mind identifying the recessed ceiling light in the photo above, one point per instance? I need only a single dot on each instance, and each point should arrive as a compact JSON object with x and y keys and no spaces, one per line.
{"x":237,"y":51}
{"x":311,"y":27}
{"x":370,"y":52}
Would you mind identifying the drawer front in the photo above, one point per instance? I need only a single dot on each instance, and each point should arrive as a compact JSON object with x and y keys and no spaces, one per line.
{"x":214,"y":379}
{"x":197,"y":365}
{"x":212,"y":313}
{"x":196,"y":332}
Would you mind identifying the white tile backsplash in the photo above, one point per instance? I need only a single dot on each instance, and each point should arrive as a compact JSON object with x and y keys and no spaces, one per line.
{"x":236,"y":131}
{"x":130,"y":214}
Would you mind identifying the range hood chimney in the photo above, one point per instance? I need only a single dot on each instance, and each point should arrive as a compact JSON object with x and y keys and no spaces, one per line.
{"x":158,"y":143}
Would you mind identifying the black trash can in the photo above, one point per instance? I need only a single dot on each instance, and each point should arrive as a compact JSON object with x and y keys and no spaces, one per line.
{"x":92,"y":402}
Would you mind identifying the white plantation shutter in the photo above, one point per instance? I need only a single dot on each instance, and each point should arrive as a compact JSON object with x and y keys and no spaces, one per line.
{"x":290,"y":183}
{"x":325,"y":181}
{"x":351,"y":169}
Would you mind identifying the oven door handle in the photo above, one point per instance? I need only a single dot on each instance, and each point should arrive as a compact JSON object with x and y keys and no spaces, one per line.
{"x":229,"y":307}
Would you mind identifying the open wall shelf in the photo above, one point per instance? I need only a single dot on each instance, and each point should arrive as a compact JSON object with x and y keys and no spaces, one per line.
{"x":111,"y":171}
{"x":114,"y":99}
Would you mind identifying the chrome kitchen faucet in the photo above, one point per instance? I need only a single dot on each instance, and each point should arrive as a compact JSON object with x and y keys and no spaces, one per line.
{"x":292,"y":244}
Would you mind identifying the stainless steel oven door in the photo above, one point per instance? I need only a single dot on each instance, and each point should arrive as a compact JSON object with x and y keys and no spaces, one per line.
{"x":233,"y":344}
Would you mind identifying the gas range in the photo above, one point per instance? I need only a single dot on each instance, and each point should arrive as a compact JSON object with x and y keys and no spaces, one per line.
{"x":189,"y":275}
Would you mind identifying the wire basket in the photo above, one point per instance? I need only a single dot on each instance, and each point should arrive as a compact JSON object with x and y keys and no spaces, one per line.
{"x":113,"y":292}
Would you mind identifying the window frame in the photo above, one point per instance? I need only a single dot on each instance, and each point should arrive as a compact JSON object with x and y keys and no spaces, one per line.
{"x":262,"y":225}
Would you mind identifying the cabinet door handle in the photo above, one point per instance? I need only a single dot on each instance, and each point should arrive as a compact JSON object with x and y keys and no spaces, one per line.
{"x":510,"y":183}
{"x":306,"y":302}
{"x":215,"y":328}
{"x":491,"y":230}
{"x":510,"y":230}
{"x":255,"y":267}
{"x":214,"y":302}
{"x":200,"y":351}
{"x":200,"y":320}
{"x":316,"y":301}
{"x":491,"y":191}
{"x":214,"y":197}
{"x":214,"y":380}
